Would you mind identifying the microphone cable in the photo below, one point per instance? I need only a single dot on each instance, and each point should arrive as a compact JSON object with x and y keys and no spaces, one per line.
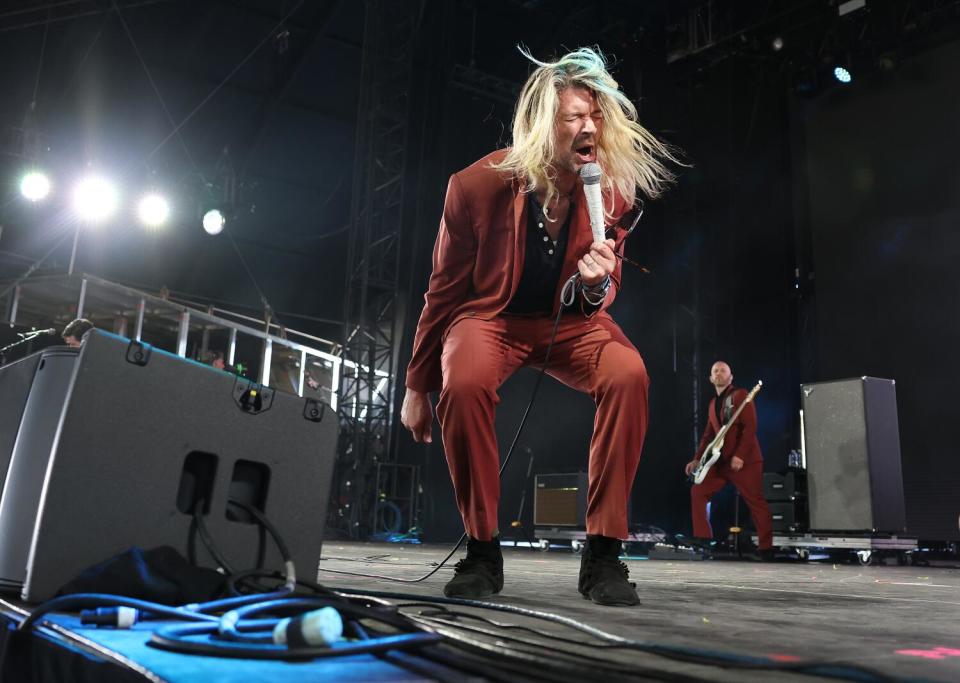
{"x":567,"y":297}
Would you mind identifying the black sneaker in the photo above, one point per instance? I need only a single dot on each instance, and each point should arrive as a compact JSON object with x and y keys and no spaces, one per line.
{"x":479,"y":574}
{"x":603,"y":577}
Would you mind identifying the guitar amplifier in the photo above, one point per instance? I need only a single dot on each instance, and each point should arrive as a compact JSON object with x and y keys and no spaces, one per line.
{"x":853,"y":455}
{"x":560,"y":500}
{"x":784,"y":485}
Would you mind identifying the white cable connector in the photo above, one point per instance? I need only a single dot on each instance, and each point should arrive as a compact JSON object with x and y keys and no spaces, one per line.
{"x":317,"y":628}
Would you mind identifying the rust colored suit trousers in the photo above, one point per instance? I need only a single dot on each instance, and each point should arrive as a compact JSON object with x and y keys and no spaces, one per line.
{"x":741,"y":441}
{"x":590,"y":355}
{"x":749,"y":482}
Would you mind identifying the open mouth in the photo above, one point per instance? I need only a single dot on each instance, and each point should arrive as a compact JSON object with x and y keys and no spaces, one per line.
{"x":586,"y":154}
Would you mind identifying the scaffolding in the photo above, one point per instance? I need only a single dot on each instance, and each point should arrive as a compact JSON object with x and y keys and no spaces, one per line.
{"x":372,"y":321}
{"x":282,"y":358}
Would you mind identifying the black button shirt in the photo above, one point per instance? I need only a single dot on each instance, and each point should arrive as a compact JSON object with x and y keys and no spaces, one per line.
{"x":718,"y":405}
{"x":542,"y":264}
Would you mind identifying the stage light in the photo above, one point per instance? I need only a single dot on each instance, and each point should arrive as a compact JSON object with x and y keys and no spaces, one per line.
{"x":842,"y":74}
{"x":776,"y":44}
{"x":213,"y":222}
{"x":35,"y":186}
{"x":153,"y":210}
{"x":94,"y":199}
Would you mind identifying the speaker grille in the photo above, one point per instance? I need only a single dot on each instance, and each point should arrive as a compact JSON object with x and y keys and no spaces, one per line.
{"x":556,"y":507}
{"x":853,"y":455}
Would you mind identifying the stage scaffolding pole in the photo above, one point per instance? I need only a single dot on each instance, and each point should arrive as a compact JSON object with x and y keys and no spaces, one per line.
{"x":371,"y":296}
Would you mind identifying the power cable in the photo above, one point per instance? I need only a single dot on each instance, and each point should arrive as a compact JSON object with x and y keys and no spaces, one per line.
{"x":177,"y":127}
{"x":156,"y":90}
{"x":43,"y":47}
{"x":718,"y":658}
{"x":230,"y":75}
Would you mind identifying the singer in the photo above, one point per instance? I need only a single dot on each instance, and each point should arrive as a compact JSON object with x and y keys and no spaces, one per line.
{"x":515,"y":228}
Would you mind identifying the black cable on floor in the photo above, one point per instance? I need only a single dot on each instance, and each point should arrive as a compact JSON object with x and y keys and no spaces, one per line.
{"x":721,"y":659}
{"x":567,"y":658}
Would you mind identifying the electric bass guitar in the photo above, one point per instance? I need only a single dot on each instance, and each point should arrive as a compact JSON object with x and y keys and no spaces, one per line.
{"x":712,"y":452}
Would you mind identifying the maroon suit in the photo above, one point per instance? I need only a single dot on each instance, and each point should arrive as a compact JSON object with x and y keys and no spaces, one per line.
{"x":740,"y":441}
{"x":466,"y":348}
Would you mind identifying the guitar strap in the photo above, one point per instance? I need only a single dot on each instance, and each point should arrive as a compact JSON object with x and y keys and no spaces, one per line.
{"x":727,"y":408}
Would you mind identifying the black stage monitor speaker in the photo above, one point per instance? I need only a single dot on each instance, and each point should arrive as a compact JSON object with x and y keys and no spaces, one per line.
{"x":141,"y":440}
{"x":852,"y":439}
{"x":15,"y":381}
{"x":30,"y":459}
{"x":560,"y":499}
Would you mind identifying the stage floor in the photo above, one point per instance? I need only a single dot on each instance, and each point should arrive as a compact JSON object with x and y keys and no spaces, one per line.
{"x":901,"y":621}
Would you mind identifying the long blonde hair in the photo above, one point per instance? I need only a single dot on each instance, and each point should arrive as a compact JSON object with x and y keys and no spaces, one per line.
{"x":630,"y":156}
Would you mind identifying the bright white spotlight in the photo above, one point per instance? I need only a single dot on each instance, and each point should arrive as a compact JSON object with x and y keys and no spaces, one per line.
{"x":213,"y":222}
{"x":35,"y":186}
{"x":153,"y":210}
{"x":842,"y":74}
{"x":94,"y":199}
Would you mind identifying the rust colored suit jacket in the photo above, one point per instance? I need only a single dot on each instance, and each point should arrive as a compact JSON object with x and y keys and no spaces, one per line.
{"x":478,"y":258}
{"x":741,"y":438}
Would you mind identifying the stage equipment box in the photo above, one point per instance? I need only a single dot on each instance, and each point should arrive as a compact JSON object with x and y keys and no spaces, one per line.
{"x":784,"y":485}
{"x":789,"y":516}
{"x":560,"y":500}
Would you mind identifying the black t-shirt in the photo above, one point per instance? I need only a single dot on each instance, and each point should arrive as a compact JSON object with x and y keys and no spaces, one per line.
{"x":542,"y":264}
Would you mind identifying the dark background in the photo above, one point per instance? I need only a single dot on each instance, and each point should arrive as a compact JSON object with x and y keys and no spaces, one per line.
{"x":810,"y":238}
{"x":883,"y":169}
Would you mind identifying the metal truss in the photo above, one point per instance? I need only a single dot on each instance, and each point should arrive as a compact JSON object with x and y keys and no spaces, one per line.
{"x":485,"y":85}
{"x":372,"y":321}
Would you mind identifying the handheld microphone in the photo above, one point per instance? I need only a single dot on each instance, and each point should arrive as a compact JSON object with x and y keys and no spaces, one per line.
{"x":49,"y":330}
{"x":590,"y":174}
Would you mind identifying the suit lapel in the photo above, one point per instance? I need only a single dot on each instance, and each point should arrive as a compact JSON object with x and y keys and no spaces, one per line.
{"x":714,"y":422}
{"x":520,"y":205}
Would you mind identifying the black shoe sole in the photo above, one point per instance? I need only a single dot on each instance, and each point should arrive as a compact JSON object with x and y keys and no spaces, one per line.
{"x":620,"y":603}
{"x":471,"y":597}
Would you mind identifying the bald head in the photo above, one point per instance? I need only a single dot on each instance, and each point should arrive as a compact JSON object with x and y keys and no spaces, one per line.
{"x":721,"y":376}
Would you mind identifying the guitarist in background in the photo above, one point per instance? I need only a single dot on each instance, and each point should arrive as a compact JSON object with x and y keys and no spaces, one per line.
{"x":741,"y":462}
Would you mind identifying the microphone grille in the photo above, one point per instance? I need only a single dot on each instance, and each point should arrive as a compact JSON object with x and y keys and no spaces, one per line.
{"x":590,"y":173}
